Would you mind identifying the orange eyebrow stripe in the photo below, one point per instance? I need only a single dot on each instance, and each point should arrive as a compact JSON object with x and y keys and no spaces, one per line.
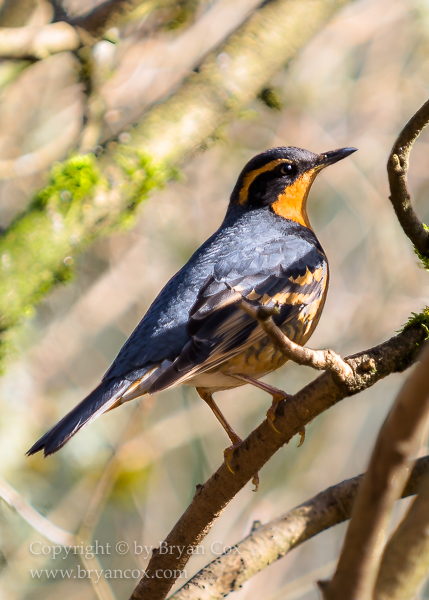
{"x":249,"y":178}
{"x":291,"y":204}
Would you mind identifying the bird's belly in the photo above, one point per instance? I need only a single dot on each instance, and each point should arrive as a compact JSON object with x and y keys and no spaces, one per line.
{"x":260,"y":359}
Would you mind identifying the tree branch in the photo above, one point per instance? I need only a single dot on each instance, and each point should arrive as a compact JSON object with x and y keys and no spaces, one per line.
{"x":397,"y":169}
{"x":85,"y":533}
{"x":52,"y":532}
{"x":405,"y":562}
{"x":171,"y":59}
{"x":262,"y":46}
{"x":272,"y":541}
{"x":37,"y":42}
{"x":292,"y":415}
{"x":396,"y":446}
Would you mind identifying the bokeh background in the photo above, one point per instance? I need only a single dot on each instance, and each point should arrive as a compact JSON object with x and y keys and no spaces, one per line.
{"x":355,"y":84}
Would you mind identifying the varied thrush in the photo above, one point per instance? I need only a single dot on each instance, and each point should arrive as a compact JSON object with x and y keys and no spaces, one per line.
{"x":195,"y":332}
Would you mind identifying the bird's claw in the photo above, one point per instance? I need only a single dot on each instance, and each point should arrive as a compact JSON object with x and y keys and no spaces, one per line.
{"x":302,"y":434}
{"x":228,"y":452}
{"x":271,"y":412}
{"x":227,"y":455}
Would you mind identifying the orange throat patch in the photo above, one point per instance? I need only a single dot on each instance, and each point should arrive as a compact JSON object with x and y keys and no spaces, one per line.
{"x":291,"y":204}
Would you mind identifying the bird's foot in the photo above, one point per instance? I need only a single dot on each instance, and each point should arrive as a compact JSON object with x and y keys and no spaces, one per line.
{"x":228,"y":452}
{"x":278,"y":396}
{"x":227,"y":455}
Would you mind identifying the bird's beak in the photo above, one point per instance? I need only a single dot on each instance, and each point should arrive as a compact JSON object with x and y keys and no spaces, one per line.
{"x":333,"y":156}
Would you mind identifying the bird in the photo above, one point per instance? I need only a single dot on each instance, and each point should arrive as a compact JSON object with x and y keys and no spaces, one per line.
{"x":195,"y":332}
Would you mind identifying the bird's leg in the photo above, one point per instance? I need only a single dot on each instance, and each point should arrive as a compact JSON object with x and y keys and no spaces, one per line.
{"x":235,"y":439}
{"x":278,"y":396}
{"x":207,"y":397}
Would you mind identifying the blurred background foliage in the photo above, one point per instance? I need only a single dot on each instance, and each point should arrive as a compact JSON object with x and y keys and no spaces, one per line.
{"x":355,"y":84}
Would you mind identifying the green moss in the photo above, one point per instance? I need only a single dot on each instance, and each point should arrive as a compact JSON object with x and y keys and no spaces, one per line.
{"x":144,"y":174}
{"x":84,"y":199}
{"x":421,"y":318}
{"x":69,"y":183}
{"x":423,"y":259}
{"x":35,"y":250}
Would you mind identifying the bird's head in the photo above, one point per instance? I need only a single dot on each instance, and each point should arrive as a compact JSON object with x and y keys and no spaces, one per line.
{"x":281,"y":178}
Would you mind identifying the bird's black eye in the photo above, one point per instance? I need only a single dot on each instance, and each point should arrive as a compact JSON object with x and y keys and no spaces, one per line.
{"x":286,"y":169}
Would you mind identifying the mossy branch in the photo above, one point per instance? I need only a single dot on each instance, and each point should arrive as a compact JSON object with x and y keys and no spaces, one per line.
{"x":80,"y":203}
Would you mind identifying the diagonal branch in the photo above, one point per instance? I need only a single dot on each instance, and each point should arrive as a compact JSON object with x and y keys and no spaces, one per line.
{"x":47,"y":528}
{"x":292,"y":415}
{"x":397,"y":169}
{"x":270,"y":542}
{"x":397,"y":445}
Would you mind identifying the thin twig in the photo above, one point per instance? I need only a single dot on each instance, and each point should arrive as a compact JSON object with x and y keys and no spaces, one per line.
{"x":57,"y":535}
{"x":83,"y":537}
{"x":291,"y":416}
{"x":49,"y":530}
{"x":100,"y":496}
{"x":396,"y":446}
{"x":397,"y":169}
{"x":267,"y":543}
{"x":317,"y":359}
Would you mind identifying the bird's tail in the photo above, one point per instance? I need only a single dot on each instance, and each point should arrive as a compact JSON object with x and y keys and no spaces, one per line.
{"x":97,"y":402}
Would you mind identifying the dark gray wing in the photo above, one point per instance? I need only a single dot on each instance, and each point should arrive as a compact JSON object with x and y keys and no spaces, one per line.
{"x":287,"y":272}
